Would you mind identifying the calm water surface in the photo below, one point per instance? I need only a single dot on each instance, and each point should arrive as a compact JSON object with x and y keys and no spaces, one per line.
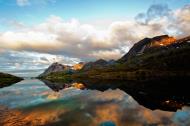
{"x":32,"y":102}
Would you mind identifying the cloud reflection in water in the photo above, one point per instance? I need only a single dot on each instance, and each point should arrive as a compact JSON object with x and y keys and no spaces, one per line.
{"x":32,"y":103}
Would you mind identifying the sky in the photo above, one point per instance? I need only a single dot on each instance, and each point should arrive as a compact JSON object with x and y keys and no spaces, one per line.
{"x":36,"y":33}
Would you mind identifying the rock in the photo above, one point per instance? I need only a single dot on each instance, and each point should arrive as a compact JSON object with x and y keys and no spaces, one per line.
{"x":146,"y":44}
{"x":78,"y":66}
{"x":55,"y":67}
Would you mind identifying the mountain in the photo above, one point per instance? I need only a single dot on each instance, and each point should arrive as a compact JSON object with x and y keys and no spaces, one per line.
{"x":146,"y":44}
{"x":93,"y":65}
{"x":147,"y":54}
{"x":57,"y":71}
{"x":7,"y":79}
{"x":151,"y":58}
{"x":55,"y":67}
{"x":78,"y":66}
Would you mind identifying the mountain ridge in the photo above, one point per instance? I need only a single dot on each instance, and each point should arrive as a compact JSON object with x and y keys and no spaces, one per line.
{"x":160,"y":56}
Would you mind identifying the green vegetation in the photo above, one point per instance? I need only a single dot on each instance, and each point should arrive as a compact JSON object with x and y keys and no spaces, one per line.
{"x":175,"y":58}
{"x":7,"y":79}
{"x":62,"y":76}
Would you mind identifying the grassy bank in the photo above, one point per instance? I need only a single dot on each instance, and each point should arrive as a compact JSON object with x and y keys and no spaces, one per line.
{"x":7,"y":79}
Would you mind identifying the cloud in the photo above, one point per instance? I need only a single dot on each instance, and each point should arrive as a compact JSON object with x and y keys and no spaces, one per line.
{"x":107,"y":54}
{"x":22,"y":2}
{"x":56,"y":36}
{"x":24,"y":63}
{"x":35,"y":2}
{"x":155,"y":11}
{"x":73,"y":39}
{"x":182,"y":21}
{"x":165,"y":20}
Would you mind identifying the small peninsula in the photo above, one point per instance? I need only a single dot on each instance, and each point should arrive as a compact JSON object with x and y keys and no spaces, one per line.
{"x":8,"y":79}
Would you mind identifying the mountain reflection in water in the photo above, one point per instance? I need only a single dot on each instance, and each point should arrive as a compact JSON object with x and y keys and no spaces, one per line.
{"x":93,"y":103}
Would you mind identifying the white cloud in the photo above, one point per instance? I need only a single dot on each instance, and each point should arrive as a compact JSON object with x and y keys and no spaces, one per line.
{"x":35,"y":2}
{"x":30,"y":63}
{"x":74,"y":39}
{"x":22,"y":2}
{"x":164,"y":20}
{"x":112,"y":54}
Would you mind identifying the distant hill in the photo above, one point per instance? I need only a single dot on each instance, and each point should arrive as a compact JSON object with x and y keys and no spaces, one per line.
{"x":57,"y":70}
{"x":97,"y":64}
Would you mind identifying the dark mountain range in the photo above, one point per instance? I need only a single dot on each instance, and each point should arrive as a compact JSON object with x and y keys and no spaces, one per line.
{"x":98,"y":64}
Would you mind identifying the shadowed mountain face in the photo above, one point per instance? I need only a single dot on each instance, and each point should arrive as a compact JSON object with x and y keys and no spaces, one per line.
{"x":97,"y":64}
{"x":7,"y":79}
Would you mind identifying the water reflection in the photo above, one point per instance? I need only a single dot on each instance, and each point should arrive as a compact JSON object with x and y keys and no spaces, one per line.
{"x":165,"y":95}
{"x":90,"y":103}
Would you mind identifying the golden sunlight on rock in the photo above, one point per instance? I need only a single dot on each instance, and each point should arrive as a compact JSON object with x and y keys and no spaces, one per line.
{"x":164,"y":41}
{"x":78,"y":85}
{"x":78,"y":66}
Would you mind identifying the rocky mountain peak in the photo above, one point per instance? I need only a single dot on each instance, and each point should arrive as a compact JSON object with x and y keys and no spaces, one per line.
{"x":163,"y":40}
{"x":55,"y":67}
{"x":147,"y":43}
{"x":78,"y":66}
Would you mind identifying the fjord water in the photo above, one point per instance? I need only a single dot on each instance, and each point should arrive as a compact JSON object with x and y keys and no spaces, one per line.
{"x":33,"y":102}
